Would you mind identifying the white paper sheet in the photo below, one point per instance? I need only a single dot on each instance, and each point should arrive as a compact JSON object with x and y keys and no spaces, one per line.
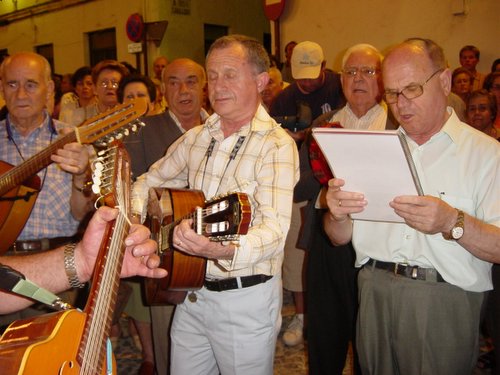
{"x":372,"y":163}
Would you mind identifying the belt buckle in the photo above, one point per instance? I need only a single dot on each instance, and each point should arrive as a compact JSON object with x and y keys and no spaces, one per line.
{"x":45,"y":244}
{"x":414,"y":272}
{"x":396,"y":267}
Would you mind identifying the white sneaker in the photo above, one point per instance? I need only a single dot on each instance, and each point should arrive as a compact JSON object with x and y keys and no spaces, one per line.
{"x":294,"y":333}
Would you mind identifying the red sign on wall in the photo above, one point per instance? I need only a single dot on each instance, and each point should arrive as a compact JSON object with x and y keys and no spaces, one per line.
{"x":273,"y":9}
{"x":135,"y":27}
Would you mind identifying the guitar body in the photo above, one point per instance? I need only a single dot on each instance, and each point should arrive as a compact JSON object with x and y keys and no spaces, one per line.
{"x":44,"y":345}
{"x":185,"y":272}
{"x":15,"y":213}
{"x":222,"y":218}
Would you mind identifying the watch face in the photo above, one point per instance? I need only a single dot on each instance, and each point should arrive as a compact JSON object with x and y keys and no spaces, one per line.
{"x":457,"y":232}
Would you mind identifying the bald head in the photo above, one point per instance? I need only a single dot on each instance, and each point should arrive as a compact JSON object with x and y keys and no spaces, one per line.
{"x":33,"y":59}
{"x":417,"y":84}
{"x":184,"y":64}
{"x":27,"y":88}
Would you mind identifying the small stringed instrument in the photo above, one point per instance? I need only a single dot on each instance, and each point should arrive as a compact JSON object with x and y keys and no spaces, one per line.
{"x":223,"y":218}
{"x":74,"y":342}
{"x":19,"y":185}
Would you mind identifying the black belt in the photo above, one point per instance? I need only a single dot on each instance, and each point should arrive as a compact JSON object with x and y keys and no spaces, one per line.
{"x":235,"y":282}
{"x":38,"y":245}
{"x":412,"y":272}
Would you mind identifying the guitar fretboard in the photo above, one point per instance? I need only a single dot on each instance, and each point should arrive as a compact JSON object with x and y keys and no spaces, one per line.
{"x":33,"y":165}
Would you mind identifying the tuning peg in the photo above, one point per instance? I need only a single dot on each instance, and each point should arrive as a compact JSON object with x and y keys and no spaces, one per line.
{"x":98,"y":166}
{"x":97,"y":173}
{"x":96,"y":189}
{"x":96,"y":180}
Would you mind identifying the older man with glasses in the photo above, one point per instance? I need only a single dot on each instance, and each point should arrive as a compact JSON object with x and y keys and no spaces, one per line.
{"x":331,"y":276}
{"x":422,"y":283}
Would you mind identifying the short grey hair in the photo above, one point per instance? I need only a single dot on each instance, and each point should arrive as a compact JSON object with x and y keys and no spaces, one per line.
{"x":361,"y":47}
{"x":257,"y":56}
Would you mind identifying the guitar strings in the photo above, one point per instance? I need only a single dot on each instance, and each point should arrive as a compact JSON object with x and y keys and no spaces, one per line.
{"x":97,"y":339}
{"x":109,"y":280}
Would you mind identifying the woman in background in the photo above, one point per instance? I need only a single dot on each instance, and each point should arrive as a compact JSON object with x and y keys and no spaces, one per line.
{"x":482,"y":111}
{"x":82,"y":96}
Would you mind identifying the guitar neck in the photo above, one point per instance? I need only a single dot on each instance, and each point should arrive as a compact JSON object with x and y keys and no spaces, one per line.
{"x":115,"y":191}
{"x":166,"y":231}
{"x":102,"y":300}
{"x":100,"y":130}
{"x":15,"y":176}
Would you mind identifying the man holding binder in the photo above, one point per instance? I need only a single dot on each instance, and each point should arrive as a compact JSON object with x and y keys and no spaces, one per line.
{"x":422,"y":282}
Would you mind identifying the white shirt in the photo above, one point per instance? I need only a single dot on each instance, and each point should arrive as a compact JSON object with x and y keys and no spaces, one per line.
{"x":374,"y":119}
{"x":461,"y":166}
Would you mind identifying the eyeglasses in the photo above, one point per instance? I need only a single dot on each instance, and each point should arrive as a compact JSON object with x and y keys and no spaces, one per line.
{"x":109,"y":84}
{"x":409,"y":92}
{"x":365,"y":71}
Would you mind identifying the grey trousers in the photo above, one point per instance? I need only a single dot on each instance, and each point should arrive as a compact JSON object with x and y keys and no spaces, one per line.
{"x":413,"y":327}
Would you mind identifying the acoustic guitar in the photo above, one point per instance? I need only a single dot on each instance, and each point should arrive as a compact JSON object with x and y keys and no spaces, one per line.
{"x":223,"y":218}
{"x":19,"y":185}
{"x":71,"y":341}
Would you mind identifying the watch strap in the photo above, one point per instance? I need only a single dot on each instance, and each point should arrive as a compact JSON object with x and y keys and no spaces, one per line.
{"x":70,"y":266}
{"x":459,"y":223}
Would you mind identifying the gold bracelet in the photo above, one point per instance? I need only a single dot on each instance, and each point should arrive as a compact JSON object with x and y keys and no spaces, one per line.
{"x":84,"y":188}
{"x":70,"y":266}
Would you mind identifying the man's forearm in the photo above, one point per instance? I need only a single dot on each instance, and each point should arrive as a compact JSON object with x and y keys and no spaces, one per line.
{"x":481,"y":239}
{"x":339,"y":232}
{"x":44,"y":269}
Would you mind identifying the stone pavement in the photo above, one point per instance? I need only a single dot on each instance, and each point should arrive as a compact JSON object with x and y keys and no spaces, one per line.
{"x":288,"y":361}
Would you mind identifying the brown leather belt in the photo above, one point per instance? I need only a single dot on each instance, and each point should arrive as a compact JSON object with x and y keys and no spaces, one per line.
{"x":44,"y":244}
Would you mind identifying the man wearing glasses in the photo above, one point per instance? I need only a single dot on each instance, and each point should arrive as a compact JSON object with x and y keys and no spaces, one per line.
{"x":331,"y":276}
{"x":422,"y":284}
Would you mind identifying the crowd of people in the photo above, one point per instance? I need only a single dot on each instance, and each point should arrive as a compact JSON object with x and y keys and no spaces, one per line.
{"x":408,"y":297}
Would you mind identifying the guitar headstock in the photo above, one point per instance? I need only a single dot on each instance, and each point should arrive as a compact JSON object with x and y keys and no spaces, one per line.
{"x":225,"y":217}
{"x":111,"y":176}
{"x":112,"y":124}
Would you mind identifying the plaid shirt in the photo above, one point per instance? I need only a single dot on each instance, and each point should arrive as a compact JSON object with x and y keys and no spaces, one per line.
{"x":51,"y":216}
{"x":266,"y":168}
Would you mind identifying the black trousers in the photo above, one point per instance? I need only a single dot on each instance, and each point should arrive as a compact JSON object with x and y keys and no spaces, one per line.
{"x":332,"y":303}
